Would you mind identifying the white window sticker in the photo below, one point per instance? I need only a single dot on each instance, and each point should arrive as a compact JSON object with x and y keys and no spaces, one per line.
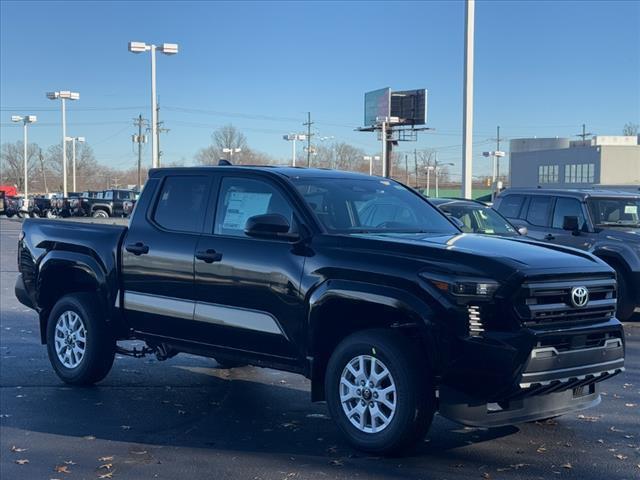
{"x":242,"y":206}
{"x":631,"y":209}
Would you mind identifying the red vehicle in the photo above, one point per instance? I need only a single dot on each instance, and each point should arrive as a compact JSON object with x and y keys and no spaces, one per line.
{"x":9,"y":191}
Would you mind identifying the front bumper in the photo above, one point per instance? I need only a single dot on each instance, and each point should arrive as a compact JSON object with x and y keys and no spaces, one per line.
{"x":21,"y":293}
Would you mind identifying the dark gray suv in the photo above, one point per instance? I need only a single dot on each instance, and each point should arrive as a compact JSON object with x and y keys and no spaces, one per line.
{"x":603,"y":222}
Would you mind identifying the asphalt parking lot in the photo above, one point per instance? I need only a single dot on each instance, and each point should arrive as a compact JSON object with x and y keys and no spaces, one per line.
{"x":187,"y":418}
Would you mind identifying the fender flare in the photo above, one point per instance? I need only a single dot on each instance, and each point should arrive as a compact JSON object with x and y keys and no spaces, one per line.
{"x":621,"y":253}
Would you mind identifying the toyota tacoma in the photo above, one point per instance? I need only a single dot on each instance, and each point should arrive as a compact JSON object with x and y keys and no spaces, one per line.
{"x":356,"y":282}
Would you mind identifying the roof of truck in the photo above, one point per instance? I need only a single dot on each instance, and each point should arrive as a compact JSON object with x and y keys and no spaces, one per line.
{"x":574,"y":192}
{"x":284,"y":171}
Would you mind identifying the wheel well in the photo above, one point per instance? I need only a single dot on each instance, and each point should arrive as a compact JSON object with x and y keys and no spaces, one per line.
{"x":58,"y":282}
{"x":618,"y":265}
{"x":338,"y":319}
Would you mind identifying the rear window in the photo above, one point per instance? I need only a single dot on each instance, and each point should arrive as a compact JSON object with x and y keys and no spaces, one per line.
{"x":182,"y":203}
{"x":510,"y":205}
{"x":538,"y":213}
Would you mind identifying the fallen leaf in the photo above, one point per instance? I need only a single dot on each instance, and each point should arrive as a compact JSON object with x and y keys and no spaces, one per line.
{"x":62,"y":469}
{"x":69,"y":462}
{"x":614,"y":429}
{"x":619,"y":456}
{"x":89,"y":437}
{"x":588,"y":418}
{"x":568,"y":466}
{"x":182,"y":412}
{"x":105,"y":459}
{"x":106,"y":466}
{"x":18,"y":449}
{"x":336,"y":463}
{"x":486,"y":475}
{"x":541,"y":449}
{"x":22,"y":461}
{"x":138,"y":452}
{"x":630,"y":405}
{"x":125,"y":427}
{"x":107,"y":475}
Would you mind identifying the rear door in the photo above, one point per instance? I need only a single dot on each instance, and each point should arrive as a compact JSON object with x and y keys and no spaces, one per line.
{"x":247,"y":289}
{"x":158,"y":254}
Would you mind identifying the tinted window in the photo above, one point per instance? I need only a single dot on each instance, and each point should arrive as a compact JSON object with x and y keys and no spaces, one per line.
{"x":567,"y":207}
{"x":479,"y":219}
{"x":182,"y":203}
{"x":510,"y":205}
{"x":538,"y":213}
{"x":108,"y":195}
{"x":370,"y":206}
{"x":243,"y":198}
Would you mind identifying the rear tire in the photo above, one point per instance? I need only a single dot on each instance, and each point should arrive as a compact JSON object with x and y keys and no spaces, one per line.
{"x":80,"y":344}
{"x":396,"y":401}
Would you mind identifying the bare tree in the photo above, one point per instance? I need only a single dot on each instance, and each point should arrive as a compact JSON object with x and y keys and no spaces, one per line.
{"x":630,"y":129}
{"x":12,"y":162}
{"x":224,"y":137}
{"x":86,"y":165}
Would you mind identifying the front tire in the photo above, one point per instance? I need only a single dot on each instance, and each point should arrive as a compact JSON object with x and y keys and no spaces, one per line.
{"x":100,"y":214}
{"x":379,"y":391}
{"x":626,"y":306}
{"x":80,"y":345}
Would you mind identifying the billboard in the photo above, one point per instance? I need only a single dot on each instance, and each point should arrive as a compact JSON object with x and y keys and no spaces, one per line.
{"x":410,"y":106}
{"x":377,"y":103}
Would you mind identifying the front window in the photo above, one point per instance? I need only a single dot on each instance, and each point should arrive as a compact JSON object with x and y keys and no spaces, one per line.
{"x":370,"y":206}
{"x":615,"y":211}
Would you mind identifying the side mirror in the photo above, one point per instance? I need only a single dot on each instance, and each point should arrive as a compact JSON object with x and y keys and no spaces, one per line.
{"x":523,"y":231}
{"x":570,"y":223}
{"x":459,"y":223}
{"x":269,"y":225}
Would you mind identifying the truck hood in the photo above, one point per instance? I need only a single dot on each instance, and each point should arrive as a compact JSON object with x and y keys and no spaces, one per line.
{"x":624,"y":234}
{"x":480,"y":254}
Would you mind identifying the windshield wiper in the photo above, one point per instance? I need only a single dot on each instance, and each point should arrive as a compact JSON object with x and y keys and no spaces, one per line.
{"x":620,"y":224}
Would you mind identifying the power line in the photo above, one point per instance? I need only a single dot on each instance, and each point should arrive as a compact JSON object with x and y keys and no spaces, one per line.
{"x":308,"y":124}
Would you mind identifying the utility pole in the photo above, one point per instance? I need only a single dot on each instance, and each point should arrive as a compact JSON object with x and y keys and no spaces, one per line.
{"x":406,"y":167}
{"x":415,"y":164}
{"x":44,"y":172}
{"x":159,"y":130}
{"x":584,"y":133}
{"x":497,"y":150}
{"x":139,"y":139}
{"x":308,"y":125}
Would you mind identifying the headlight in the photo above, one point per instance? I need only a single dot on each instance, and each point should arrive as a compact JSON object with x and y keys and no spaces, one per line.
{"x":462,"y":286}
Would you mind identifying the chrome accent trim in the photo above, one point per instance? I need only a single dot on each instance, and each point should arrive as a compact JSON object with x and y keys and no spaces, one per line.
{"x":159,"y":305}
{"x":117,"y":304}
{"x":236,"y":317}
{"x":562,"y":370}
{"x":609,"y":343}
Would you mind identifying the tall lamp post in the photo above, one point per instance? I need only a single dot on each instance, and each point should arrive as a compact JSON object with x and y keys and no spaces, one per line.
{"x":167,"y":49}
{"x":26,"y":120}
{"x":63,"y":96}
{"x":293,"y":138}
{"x":73,"y":141}
{"x":436,"y":171}
{"x":370,"y":159}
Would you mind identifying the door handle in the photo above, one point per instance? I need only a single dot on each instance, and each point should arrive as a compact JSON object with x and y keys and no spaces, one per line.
{"x":549,"y":237}
{"x":209,"y":256}
{"x":138,"y":248}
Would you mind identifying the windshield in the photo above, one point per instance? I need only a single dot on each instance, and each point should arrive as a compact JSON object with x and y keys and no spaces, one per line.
{"x":615,"y":211}
{"x":370,"y":206}
{"x":479,"y":219}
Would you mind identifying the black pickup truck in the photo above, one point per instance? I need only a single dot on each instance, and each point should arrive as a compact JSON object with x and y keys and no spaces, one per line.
{"x":392,"y":315}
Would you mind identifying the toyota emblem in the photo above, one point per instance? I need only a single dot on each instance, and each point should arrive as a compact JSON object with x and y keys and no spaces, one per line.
{"x":579,"y":296}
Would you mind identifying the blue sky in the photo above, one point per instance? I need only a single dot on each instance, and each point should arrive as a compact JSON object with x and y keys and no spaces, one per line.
{"x":542,"y":69}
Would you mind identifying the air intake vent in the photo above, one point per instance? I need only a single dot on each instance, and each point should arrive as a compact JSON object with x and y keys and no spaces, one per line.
{"x":476,"y":327}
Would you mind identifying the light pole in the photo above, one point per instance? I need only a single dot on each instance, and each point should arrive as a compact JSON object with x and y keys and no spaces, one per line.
{"x":496,"y":155}
{"x":429,"y":168}
{"x":73,"y":141}
{"x":294,"y":137}
{"x":63,"y":96}
{"x":231,"y":151}
{"x":436,"y":171}
{"x":370,"y":159}
{"x":167,"y":49}
{"x":26,"y":120}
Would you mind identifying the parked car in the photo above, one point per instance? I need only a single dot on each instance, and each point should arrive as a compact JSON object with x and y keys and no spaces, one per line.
{"x":61,"y":205}
{"x":80,"y":206}
{"x":390,"y":317}
{"x":477,"y":217}
{"x":13,"y":206}
{"x":127,"y":207}
{"x":109,"y":204}
{"x":603,"y":222}
{"x":2,"y":202}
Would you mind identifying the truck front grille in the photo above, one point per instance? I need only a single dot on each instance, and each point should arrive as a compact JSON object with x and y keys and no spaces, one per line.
{"x":549,"y":301}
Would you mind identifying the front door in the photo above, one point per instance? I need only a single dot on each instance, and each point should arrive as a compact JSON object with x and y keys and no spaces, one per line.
{"x":570,"y":207}
{"x":247,"y":289}
{"x":158,"y":253}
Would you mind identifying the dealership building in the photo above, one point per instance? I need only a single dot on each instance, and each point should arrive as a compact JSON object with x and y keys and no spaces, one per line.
{"x":611,"y":161}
